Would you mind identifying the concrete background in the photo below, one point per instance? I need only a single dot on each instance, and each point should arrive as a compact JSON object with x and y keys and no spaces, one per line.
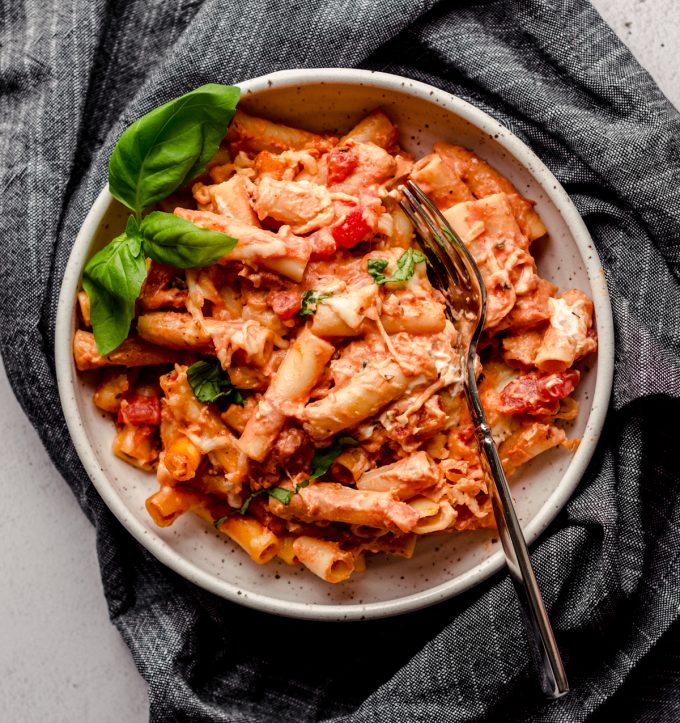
{"x":60,"y":658}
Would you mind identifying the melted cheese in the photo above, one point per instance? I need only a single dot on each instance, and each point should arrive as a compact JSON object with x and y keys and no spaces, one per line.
{"x":503,"y":427}
{"x":565,"y":319}
{"x":353,"y":306}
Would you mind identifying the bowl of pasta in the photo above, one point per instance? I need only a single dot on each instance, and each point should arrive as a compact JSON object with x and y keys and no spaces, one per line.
{"x":259,"y":377}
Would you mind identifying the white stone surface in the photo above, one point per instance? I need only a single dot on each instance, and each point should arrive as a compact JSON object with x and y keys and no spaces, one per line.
{"x":60,"y":657}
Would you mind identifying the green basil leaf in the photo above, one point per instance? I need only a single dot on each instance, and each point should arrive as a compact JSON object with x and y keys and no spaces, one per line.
{"x":177,"y":242}
{"x":278,"y":493}
{"x":169,"y":146}
{"x":281,"y":494}
{"x":249,"y":499}
{"x":406,"y":267}
{"x":324,"y":458}
{"x":310,"y":299}
{"x":210,"y":382}
{"x":113,"y":279}
{"x":217,"y":523}
{"x":376,"y":268}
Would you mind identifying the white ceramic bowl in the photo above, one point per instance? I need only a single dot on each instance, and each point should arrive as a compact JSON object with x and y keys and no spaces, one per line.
{"x":443,"y":566}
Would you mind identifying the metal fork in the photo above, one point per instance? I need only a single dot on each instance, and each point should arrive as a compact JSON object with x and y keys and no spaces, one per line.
{"x":456,"y":275}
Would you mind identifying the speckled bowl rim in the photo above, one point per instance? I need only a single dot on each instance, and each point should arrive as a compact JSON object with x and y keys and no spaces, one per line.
{"x":66,"y":373}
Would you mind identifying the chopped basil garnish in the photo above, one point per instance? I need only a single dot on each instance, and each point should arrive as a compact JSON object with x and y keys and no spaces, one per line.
{"x":324,"y":458}
{"x":249,"y":499}
{"x":406,"y":267}
{"x":376,"y":268}
{"x":310,"y":299}
{"x":281,"y":494}
{"x":278,"y":493}
{"x":210,"y":382}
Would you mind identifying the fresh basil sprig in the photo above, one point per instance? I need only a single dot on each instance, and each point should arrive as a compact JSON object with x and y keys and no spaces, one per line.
{"x":155,"y":156}
{"x":324,"y":458}
{"x":210,"y":382}
{"x":177,"y":242}
{"x":406,"y":267}
{"x":171,"y":145}
{"x":112,"y":279}
{"x":310,"y":300}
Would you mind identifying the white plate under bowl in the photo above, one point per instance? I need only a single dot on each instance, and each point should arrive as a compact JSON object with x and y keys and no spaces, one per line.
{"x":443,"y":566}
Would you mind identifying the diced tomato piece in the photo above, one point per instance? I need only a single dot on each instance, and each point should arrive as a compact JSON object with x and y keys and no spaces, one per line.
{"x":138,"y":409}
{"x":351,"y":229}
{"x":537,"y":392}
{"x":342,"y":162}
{"x":285,"y":304}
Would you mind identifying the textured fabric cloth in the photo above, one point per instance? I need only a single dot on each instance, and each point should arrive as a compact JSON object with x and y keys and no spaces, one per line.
{"x":72,"y":75}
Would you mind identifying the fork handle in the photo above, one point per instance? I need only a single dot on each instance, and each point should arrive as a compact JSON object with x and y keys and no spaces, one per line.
{"x":543,"y":646}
